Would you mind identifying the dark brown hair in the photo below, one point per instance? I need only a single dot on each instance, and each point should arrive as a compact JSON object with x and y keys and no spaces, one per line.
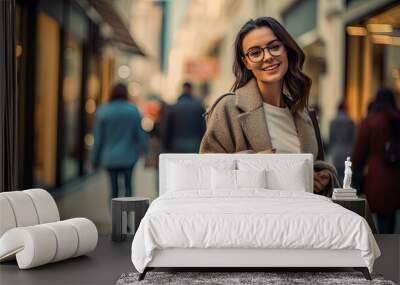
{"x":119,"y":92}
{"x":295,"y":81}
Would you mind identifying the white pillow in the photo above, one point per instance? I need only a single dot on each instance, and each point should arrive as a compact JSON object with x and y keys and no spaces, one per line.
{"x":293,"y":180}
{"x":223,"y":179}
{"x":282,"y":174}
{"x":192,"y":175}
{"x":183,"y":178}
{"x":251,"y":179}
{"x":237,"y":179}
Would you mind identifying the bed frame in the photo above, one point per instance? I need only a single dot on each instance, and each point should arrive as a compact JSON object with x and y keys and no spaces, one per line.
{"x":242,"y":259}
{"x":250,"y":258}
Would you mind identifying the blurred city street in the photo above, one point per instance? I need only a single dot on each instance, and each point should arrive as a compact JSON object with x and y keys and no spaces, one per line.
{"x":99,"y":83}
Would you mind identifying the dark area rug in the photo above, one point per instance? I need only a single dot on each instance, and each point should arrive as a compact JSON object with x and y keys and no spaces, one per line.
{"x":229,"y":278}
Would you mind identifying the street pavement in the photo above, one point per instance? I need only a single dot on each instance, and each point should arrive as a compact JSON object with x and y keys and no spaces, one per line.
{"x":89,"y":197}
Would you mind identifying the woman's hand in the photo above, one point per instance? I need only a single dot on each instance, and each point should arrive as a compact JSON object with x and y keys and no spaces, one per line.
{"x":268,"y":151}
{"x":321,"y":180}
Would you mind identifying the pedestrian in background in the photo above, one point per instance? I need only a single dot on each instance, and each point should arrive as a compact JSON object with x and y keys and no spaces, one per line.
{"x":381,"y":180}
{"x":156,"y":143}
{"x":341,"y":138}
{"x":184,"y":123}
{"x":118,"y":139}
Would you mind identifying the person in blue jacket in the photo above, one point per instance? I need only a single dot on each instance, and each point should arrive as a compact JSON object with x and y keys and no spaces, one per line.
{"x":118,"y":138}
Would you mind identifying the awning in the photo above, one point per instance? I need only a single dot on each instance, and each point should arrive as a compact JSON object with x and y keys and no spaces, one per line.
{"x":120,"y":34}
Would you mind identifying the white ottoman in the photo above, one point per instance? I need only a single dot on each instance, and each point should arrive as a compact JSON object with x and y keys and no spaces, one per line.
{"x":31,"y":232}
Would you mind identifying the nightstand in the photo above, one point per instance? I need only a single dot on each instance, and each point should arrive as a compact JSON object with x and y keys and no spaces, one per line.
{"x":138,"y":205}
{"x":356,"y":205}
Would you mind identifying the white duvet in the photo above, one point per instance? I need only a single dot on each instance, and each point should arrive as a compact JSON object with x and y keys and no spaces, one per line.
{"x":250,"y":219}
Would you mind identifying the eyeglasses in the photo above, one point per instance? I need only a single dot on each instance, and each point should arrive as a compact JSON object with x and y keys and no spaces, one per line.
{"x":256,"y":54}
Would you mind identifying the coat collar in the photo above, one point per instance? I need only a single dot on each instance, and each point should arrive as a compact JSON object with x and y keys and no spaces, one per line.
{"x":253,"y":120}
{"x":248,"y":97}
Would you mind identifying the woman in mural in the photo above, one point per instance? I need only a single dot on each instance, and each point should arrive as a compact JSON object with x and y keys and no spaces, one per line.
{"x":267,"y":112}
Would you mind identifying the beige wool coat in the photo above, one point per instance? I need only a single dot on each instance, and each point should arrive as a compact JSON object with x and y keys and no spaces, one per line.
{"x":236,"y":123}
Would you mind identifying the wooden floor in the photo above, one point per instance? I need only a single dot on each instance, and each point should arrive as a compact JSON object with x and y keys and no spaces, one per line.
{"x":110,"y":259}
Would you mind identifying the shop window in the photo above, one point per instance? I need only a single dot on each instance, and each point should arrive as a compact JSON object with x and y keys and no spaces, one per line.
{"x":373,"y":59}
{"x":91,"y":105}
{"x":72,"y":96}
{"x":71,"y":106}
{"x":47,"y":70}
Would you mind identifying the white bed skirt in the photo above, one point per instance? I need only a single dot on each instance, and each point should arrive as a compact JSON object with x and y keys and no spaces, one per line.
{"x":192,"y":257}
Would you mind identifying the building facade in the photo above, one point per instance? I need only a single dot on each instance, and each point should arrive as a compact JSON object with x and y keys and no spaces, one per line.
{"x":66,"y":53}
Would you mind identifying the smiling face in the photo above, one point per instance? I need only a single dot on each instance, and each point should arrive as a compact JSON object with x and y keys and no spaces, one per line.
{"x":270,"y":68}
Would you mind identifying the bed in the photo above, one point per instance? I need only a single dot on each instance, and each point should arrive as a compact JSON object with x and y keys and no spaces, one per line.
{"x":247,"y":211}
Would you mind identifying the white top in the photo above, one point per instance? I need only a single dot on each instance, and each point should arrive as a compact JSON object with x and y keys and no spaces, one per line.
{"x":282,"y":129}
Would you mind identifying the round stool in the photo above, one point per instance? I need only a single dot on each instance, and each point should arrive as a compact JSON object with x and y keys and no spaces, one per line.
{"x":138,"y":205}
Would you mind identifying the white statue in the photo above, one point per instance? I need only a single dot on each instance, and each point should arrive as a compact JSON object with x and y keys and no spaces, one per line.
{"x":347,"y":174}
